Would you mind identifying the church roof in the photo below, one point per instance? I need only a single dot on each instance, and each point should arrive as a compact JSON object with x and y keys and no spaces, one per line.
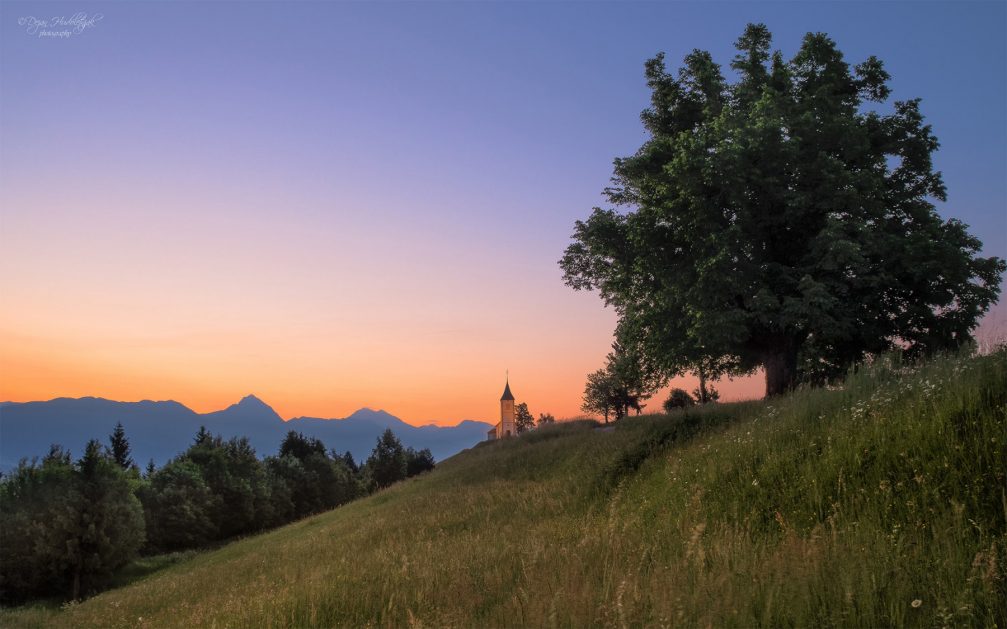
{"x":507,"y":395}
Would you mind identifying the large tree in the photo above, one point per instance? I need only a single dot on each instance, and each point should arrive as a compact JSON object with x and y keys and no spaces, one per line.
{"x":778,"y":221}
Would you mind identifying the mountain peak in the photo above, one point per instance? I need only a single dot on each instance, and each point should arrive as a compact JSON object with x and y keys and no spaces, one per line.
{"x":251,"y":401}
{"x":249,"y":407}
{"x":377,"y":417}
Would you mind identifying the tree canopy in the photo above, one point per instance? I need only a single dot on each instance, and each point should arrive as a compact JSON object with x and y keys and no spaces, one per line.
{"x":598,"y":393}
{"x":419,"y":461}
{"x":678,"y":398}
{"x":66,"y":527}
{"x":388,"y":463}
{"x":780,"y":221}
{"x":627,"y":380}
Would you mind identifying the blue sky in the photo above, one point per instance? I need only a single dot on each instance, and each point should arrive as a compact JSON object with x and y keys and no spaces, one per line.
{"x":392,"y":170}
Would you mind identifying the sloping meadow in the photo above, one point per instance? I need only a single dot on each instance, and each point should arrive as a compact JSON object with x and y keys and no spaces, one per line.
{"x":878,"y":503}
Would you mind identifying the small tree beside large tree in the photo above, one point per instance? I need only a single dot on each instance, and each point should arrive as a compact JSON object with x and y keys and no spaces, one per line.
{"x":627,"y":380}
{"x":779,"y":222}
{"x":523,"y":419}
{"x":598,"y":394}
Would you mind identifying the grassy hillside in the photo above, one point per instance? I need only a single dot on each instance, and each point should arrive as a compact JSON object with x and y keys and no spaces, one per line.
{"x":882,"y":503}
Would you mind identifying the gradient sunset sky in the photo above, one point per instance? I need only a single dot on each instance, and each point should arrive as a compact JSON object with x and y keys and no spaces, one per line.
{"x":338,"y":205}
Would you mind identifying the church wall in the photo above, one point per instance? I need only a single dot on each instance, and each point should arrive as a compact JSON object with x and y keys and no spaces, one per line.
{"x":507,"y":418}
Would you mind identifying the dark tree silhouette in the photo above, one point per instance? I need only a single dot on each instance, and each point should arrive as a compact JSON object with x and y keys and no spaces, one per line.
{"x":387,"y":463}
{"x":351,"y":464}
{"x":119,"y":447}
{"x":598,"y":393}
{"x":779,"y":222}
{"x":545,"y":418}
{"x":202,"y":436}
{"x":418,"y":461}
{"x":678,"y":398}
{"x":300,"y":447}
{"x":523,"y":419}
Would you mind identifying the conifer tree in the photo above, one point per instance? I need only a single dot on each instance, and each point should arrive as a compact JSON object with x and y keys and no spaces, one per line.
{"x":351,"y":463}
{"x":119,"y":447}
{"x":202,"y":436}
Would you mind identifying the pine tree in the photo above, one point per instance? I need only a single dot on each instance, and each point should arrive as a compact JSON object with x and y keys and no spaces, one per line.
{"x":350,"y":462}
{"x":119,"y":447}
{"x":203,"y":436}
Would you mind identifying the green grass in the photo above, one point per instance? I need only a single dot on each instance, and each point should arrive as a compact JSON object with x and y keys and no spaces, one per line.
{"x":146,"y":566}
{"x":824,"y":508}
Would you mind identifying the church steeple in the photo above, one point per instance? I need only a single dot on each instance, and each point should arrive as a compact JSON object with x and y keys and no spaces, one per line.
{"x":507,"y":395}
{"x":506,"y":427}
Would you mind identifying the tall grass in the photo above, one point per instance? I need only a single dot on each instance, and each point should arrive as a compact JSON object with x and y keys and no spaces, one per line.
{"x":879,"y":504}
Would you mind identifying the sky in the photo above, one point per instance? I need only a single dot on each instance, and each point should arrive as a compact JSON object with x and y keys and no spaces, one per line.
{"x":344,"y":205}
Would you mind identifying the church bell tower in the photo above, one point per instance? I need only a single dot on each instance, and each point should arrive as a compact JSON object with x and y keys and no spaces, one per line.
{"x":506,"y":428}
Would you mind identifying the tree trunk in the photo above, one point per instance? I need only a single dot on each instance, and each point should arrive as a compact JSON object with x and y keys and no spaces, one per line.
{"x":76,"y":582}
{"x":781,"y":369}
{"x":702,"y":386}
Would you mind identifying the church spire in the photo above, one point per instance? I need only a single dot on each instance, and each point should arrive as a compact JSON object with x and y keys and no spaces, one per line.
{"x":507,"y":395}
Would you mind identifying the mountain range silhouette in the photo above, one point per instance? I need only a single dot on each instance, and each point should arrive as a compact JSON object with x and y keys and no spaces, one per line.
{"x":162,"y":430}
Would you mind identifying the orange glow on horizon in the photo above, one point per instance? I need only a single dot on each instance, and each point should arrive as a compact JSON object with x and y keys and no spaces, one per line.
{"x":37,"y":369}
{"x":418,"y":385}
{"x":422,"y":382}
